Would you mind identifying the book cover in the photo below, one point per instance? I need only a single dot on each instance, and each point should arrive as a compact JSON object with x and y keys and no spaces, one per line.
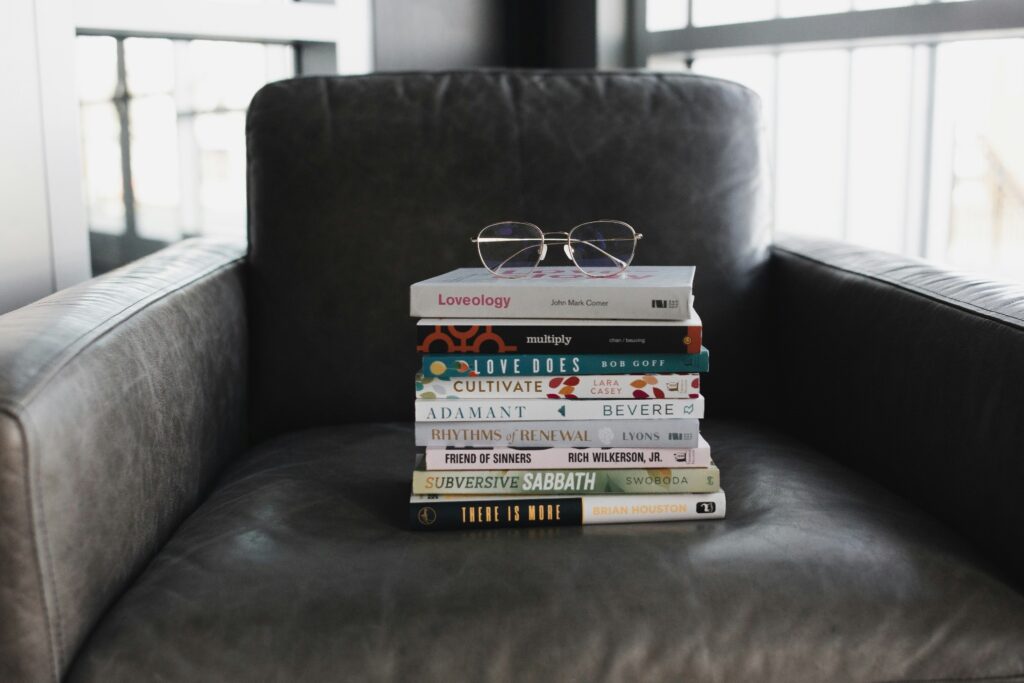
{"x":504,"y":365}
{"x":494,"y":336}
{"x":639,"y":293}
{"x":441,"y":513}
{"x":440,"y":458}
{"x":585,"y":387}
{"x":533,"y":482}
{"x":476,"y":410}
{"x":581,"y":434}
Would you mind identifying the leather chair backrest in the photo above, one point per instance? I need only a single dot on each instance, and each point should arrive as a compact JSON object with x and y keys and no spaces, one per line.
{"x":360,"y":186}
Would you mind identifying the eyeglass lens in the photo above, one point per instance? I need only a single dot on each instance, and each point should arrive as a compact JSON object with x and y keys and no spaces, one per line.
{"x":600,"y":246}
{"x":510,"y":248}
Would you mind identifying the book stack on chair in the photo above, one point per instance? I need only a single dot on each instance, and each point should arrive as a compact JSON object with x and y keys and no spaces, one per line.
{"x":558,"y":399}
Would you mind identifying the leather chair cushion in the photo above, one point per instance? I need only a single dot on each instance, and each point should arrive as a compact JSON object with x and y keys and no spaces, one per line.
{"x":300,"y":567}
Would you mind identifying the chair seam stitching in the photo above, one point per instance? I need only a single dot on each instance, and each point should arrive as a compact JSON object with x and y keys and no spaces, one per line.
{"x":16,"y":410}
{"x":958,"y":679}
{"x":30,"y":486}
{"x":105,"y":326}
{"x":1004,"y":318}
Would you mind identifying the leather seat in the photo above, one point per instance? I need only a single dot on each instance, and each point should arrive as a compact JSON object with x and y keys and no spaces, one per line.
{"x":300,"y":567}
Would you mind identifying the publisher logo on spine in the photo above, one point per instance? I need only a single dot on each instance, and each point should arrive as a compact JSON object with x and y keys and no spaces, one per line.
{"x":705,"y":508}
{"x":664,"y":303}
{"x":426,"y":516}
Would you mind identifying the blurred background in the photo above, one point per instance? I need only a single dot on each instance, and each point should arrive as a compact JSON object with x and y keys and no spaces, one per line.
{"x":888,"y":123}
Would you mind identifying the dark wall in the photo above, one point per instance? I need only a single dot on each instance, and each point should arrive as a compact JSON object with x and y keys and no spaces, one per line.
{"x":551,"y":34}
{"x":456,"y":34}
{"x":439,"y":34}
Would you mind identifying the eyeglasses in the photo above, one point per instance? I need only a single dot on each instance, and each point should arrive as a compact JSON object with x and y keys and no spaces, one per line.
{"x":597,"y":248}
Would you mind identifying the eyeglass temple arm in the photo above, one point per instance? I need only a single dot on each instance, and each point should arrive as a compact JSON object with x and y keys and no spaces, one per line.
{"x":547,"y":240}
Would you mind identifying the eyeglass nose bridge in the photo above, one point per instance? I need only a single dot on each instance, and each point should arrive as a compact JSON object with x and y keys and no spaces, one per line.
{"x":557,"y":237}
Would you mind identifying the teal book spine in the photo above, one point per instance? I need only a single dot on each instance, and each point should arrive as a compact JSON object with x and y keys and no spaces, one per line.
{"x":446,"y":366}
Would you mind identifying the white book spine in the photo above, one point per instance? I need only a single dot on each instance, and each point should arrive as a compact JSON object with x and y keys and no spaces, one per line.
{"x":549,"y":300}
{"x":686,"y":385}
{"x":623,"y":509}
{"x":474,"y":410}
{"x":441,"y":458}
{"x":569,"y":434}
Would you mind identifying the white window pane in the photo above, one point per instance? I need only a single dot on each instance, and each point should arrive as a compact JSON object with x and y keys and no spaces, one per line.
{"x":879,"y":139}
{"x":225,"y":75}
{"x":149,"y":65}
{"x":802,"y":8}
{"x":95,"y":67}
{"x":280,"y":60}
{"x":187,"y":167}
{"x":220,"y":141}
{"x":154,"y":157}
{"x":978,"y":157}
{"x":715,"y":12}
{"x":880,"y":4}
{"x":666,"y":15}
{"x":101,"y":165}
{"x":756,"y":71}
{"x":811,"y":143}
{"x":666,"y":61}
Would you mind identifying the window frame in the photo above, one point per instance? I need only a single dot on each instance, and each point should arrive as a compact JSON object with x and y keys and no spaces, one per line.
{"x":929,"y":23}
{"x":925,"y":25}
{"x":345,"y":25}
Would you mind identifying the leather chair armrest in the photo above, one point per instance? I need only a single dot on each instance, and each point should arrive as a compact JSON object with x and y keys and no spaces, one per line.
{"x":913,"y":375}
{"x":120,"y":399}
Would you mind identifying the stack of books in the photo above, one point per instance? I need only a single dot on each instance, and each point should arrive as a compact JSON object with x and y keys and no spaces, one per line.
{"x":558,"y":399}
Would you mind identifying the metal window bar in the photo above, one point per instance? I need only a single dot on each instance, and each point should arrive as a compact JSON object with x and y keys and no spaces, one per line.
{"x":926,"y":24}
{"x":911,"y":24}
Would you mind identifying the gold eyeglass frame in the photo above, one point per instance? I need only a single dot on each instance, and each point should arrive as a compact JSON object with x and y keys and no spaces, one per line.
{"x":558,"y":237}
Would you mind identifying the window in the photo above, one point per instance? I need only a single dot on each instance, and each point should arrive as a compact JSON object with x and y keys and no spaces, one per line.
{"x":903,"y":143}
{"x":163,"y":138}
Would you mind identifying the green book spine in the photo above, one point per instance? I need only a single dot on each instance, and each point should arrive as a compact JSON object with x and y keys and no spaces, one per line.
{"x":539,"y":482}
{"x":446,"y":366}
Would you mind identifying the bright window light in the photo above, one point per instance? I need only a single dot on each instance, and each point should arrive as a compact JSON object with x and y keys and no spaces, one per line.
{"x":666,"y":15}
{"x":716,"y":12}
{"x":811,"y":142}
{"x":879,"y":139}
{"x":803,"y":8}
{"x":978,"y":157}
{"x":175,"y":126}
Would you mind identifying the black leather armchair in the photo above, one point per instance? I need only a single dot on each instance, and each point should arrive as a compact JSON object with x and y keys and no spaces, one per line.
{"x":205,"y":456}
